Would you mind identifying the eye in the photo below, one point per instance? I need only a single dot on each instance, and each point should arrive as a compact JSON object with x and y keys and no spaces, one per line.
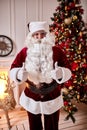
{"x":36,"y":34}
{"x":43,"y":33}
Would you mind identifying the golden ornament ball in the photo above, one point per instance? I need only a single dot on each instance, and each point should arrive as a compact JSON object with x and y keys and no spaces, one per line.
{"x":78,"y":97}
{"x":86,"y":77}
{"x":65,"y":90}
{"x":75,"y":17}
{"x":68,"y":21}
{"x":80,"y":34}
{"x":80,"y":46}
{"x":65,"y":7}
{"x":66,"y":33}
{"x":71,"y":87}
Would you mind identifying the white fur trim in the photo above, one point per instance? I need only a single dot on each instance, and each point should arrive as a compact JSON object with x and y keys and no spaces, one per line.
{"x":13,"y":75}
{"x":37,"y":26}
{"x":37,"y":107}
{"x":66,"y":73}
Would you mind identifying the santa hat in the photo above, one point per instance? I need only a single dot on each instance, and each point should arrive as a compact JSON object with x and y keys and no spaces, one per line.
{"x":37,"y":26}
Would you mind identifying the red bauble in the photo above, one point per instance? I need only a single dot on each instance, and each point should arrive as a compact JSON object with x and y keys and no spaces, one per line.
{"x":74,"y":66}
{"x":65,"y":103}
{"x":81,"y":11}
{"x":66,"y":45}
{"x":72,"y":5}
{"x":84,"y":65}
{"x":68,"y":83}
{"x":56,"y":33}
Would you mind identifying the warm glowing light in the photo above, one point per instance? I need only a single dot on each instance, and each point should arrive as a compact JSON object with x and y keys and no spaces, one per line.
{"x":2,"y":86}
{"x":3,"y":83}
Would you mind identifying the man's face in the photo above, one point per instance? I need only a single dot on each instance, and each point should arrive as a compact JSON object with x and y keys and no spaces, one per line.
{"x":39,"y":34}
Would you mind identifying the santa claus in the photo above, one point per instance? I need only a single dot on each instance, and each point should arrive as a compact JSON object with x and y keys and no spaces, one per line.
{"x":43,"y":66}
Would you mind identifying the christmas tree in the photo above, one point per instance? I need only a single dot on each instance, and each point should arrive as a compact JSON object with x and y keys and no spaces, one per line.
{"x":71,"y":35}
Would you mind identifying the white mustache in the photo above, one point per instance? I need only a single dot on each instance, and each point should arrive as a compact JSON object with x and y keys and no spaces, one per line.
{"x":38,"y":40}
{"x":48,"y":40}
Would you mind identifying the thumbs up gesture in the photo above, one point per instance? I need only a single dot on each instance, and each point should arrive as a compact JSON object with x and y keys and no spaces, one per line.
{"x":22,"y":74}
{"x":61,"y":74}
{"x":56,"y":73}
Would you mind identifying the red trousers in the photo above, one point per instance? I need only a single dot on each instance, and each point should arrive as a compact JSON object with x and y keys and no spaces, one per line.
{"x":50,"y":121}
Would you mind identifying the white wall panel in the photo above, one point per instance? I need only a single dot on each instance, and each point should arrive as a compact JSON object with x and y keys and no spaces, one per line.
{"x":5,"y":17}
{"x":32,"y":10}
{"x":12,"y":19}
{"x":48,"y":9}
{"x":20,"y":23}
{"x":84,"y":6}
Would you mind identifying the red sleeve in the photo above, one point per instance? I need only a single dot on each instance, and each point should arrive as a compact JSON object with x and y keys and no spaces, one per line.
{"x":60,"y":57}
{"x":20,"y":58}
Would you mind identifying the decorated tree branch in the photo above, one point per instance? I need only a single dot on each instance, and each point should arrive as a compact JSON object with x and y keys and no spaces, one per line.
{"x":71,"y":35}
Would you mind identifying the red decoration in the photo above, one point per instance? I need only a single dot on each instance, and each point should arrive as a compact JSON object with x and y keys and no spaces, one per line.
{"x":68,"y":83}
{"x":81,"y":11}
{"x":65,"y":103}
{"x":74,"y":66}
{"x":72,"y":5}
{"x":84,"y":65}
{"x":56,"y":33}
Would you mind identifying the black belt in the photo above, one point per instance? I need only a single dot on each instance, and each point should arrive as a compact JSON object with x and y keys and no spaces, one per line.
{"x":43,"y":88}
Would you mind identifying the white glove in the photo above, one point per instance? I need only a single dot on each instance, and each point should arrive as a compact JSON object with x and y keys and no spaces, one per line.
{"x":56,"y":73}
{"x":61,"y":74}
{"x":22,"y":74}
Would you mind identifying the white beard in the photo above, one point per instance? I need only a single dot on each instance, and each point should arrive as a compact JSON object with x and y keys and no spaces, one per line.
{"x":39,"y":61}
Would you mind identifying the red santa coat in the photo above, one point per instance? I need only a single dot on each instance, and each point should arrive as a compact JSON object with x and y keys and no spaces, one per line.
{"x":37,"y":103}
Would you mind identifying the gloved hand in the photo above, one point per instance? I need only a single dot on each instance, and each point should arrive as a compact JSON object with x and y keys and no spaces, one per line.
{"x":56,"y":73}
{"x":22,"y":74}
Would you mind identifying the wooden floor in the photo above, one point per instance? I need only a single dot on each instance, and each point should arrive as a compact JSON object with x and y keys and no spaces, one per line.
{"x":18,"y":120}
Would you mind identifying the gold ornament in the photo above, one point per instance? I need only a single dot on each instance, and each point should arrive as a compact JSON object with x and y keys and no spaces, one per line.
{"x":84,"y":60}
{"x":86,"y":77}
{"x":79,"y":51}
{"x":74,"y":81}
{"x":71,"y":87}
{"x":68,"y":21}
{"x":80,"y":46}
{"x":78,"y":96}
{"x":61,"y":37}
{"x":65,"y":91}
{"x":80,"y":34}
{"x":66,"y":33}
{"x":65,"y":7}
{"x":75,"y":17}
